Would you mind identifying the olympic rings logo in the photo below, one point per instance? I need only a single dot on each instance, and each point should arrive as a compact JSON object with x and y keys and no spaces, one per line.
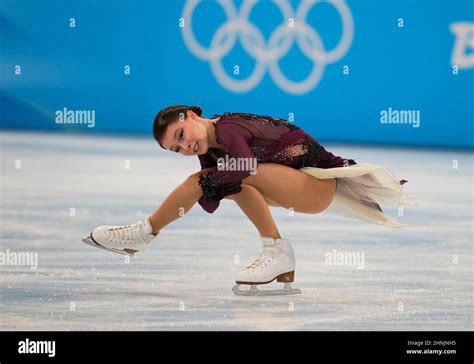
{"x":280,"y":42}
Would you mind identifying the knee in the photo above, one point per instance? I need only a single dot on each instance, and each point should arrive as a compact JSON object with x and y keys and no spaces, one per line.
{"x":191,"y":185}
{"x":192,"y":179}
{"x":192,"y":182}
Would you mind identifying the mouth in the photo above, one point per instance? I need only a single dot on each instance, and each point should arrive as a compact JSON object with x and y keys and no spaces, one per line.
{"x":196,"y":147}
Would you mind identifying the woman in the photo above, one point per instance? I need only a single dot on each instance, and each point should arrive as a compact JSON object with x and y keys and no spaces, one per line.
{"x":257,"y":161}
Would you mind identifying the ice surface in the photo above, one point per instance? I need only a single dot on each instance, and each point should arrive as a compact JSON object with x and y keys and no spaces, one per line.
{"x":416,"y":279}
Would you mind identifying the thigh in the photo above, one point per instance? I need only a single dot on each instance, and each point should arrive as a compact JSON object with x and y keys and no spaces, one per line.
{"x":268,"y":200}
{"x":290,"y":188}
{"x":195,"y":177}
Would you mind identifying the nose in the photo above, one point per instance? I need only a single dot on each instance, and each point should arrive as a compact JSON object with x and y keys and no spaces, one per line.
{"x":187,"y":146}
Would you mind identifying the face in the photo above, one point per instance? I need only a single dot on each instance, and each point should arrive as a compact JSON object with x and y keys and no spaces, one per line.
{"x":188,"y":137}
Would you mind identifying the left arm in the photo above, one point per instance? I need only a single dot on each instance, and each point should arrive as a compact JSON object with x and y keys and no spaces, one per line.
{"x":221,"y":181}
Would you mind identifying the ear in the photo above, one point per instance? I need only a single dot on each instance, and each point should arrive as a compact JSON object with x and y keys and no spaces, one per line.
{"x":191,"y":114}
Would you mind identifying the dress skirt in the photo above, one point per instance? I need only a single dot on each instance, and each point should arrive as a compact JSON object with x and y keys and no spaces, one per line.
{"x":361,"y":188}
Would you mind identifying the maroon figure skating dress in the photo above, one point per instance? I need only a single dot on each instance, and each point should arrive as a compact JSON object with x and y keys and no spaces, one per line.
{"x":361,"y":188}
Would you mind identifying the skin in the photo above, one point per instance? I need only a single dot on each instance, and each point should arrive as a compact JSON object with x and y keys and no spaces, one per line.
{"x":293,"y":189}
{"x":182,"y":136}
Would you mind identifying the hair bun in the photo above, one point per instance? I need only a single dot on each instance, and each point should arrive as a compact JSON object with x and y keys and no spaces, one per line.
{"x":196,"y":109}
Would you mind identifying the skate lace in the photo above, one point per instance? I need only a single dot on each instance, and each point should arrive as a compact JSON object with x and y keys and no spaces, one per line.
{"x":130,"y":233}
{"x":265,"y":257}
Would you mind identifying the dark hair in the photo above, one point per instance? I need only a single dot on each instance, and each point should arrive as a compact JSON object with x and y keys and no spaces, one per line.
{"x":168,"y":115}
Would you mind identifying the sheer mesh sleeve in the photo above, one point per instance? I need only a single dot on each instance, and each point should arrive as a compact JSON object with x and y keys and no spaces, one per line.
{"x":225,"y":178}
{"x":206,"y":161}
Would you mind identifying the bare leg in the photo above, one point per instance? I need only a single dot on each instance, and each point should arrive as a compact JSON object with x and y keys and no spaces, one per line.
{"x":291,"y":188}
{"x":253,"y":204}
{"x":185,"y":196}
{"x":177,"y":203}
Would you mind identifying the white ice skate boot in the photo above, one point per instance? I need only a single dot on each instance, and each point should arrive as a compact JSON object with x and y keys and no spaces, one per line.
{"x":126,"y":240}
{"x":277,"y":261}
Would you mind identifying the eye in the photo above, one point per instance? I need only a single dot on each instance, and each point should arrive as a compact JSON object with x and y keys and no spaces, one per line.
{"x":180,"y":138}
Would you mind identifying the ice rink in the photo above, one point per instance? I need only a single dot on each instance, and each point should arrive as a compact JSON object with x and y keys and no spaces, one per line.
{"x":56,"y":187}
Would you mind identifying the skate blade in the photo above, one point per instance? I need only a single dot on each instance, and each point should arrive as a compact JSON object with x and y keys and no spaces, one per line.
{"x":88,"y":240}
{"x":254,"y":291}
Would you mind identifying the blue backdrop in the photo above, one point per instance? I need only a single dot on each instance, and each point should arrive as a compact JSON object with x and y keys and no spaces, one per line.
{"x":344,"y":72}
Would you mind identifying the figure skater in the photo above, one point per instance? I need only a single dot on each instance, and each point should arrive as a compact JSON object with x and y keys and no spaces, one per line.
{"x":257,"y":161}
